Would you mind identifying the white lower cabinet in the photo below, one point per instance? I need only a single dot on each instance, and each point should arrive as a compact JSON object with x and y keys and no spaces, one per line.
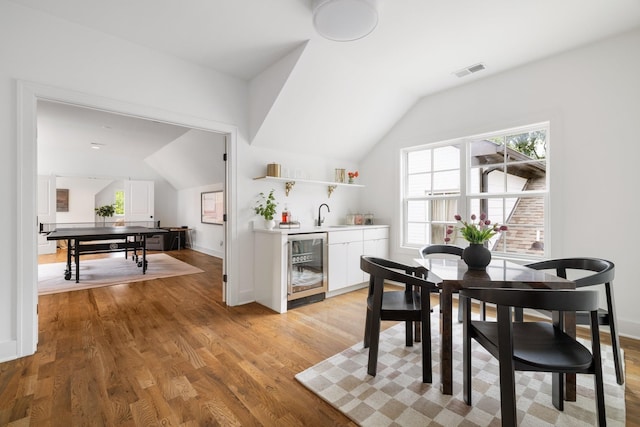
{"x":376,"y":242}
{"x":346,"y":248}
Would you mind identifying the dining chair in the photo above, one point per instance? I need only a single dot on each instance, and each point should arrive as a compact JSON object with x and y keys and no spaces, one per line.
{"x":599,"y":272}
{"x":410,"y":305}
{"x":427,"y":250}
{"x":540,"y":346}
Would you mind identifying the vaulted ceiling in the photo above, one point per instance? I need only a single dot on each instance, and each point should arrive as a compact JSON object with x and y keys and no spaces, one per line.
{"x":82,"y":142}
{"x":322,"y":97}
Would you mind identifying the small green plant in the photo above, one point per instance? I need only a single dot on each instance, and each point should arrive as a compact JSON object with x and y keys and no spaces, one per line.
{"x":266,"y":207}
{"x":106,"y":210}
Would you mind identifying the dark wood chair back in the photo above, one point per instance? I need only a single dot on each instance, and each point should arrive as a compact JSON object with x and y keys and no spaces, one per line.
{"x":409,"y":305}
{"x":601,"y":272}
{"x":441,"y":249}
{"x":533,"y":346}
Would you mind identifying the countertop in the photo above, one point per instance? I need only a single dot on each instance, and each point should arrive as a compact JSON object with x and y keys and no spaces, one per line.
{"x":311,"y":229}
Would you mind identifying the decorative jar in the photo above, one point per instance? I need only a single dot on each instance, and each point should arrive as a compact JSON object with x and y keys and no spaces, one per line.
{"x":476,"y":256}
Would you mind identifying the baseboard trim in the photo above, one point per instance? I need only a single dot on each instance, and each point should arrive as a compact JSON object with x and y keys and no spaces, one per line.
{"x":8,"y":351}
{"x":214,"y":253}
{"x":629,"y":329}
{"x":347,"y":289}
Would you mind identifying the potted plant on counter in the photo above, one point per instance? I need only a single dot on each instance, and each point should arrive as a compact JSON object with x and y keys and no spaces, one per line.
{"x":266,"y":208}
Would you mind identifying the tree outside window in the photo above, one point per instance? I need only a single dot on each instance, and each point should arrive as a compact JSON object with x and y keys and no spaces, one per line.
{"x":119,"y":204}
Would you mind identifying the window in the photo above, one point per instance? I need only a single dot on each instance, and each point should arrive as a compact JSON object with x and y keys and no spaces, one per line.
{"x":119,"y":204}
{"x":502,"y":174}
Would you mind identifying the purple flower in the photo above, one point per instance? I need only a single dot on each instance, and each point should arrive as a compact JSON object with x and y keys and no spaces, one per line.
{"x":474,"y":232}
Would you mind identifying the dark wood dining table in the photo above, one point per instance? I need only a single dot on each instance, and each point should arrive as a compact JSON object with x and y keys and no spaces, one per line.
{"x":451,"y":275}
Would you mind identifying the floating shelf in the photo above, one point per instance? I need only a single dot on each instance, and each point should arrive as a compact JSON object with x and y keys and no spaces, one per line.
{"x":290,"y":182}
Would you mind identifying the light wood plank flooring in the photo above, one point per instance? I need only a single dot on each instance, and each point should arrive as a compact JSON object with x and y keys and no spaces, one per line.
{"x":168,"y":352}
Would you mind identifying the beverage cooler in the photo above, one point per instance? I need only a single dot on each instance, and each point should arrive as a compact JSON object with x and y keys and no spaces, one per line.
{"x":307,"y":269}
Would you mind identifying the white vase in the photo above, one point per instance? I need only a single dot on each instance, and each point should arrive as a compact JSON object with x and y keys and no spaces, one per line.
{"x":269,"y":224}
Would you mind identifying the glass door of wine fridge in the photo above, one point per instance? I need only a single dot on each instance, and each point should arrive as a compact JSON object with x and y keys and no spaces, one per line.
{"x":307,"y":268}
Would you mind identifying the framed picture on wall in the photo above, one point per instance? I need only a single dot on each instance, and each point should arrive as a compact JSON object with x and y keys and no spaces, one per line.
{"x":62,"y":200}
{"x":212,"y":207}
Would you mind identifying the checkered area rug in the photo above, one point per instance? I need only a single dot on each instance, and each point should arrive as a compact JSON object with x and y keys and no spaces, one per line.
{"x":396,"y":396}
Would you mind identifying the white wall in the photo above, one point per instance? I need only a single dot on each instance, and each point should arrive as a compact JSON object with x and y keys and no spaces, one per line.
{"x":591,"y":96}
{"x":193,"y":159}
{"x":166,"y":203}
{"x":82,"y":199}
{"x":207,"y":238}
{"x":305,"y":198}
{"x":82,"y":192}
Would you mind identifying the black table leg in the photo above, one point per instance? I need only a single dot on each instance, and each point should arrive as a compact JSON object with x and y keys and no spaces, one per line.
{"x":67,"y":272}
{"x":144,"y":254}
{"x":76,"y":245}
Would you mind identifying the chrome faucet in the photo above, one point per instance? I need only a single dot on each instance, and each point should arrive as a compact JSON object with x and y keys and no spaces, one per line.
{"x":320,"y":219}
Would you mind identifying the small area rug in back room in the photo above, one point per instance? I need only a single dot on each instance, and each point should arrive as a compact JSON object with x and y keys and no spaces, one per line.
{"x":116,"y":270}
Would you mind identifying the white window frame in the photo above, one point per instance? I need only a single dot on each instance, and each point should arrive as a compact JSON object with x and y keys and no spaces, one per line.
{"x":464,"y":198}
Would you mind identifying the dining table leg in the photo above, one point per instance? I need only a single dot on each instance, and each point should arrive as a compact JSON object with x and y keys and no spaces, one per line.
{"x":446,"y":345}
{"x":570,"y":379}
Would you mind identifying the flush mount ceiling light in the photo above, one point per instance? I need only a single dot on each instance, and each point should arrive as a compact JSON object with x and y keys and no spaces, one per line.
{"x":345,"y":20}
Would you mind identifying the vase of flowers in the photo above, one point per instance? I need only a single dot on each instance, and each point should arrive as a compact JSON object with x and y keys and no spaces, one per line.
{"x":266,"y":207}
{"x":477,"y":256}
{"x":352,"y":176}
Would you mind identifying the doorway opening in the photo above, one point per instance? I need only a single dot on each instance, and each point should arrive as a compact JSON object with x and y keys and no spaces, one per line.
{"x":28,"y":96}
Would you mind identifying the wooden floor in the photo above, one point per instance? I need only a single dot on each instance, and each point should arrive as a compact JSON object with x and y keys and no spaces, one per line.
{"x":168,"y":352}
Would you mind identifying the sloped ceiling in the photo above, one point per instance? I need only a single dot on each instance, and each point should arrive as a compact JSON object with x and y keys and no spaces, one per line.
{"x":316,"y":96}
{"x":129,"y":147}
{"x":66,"y":134}
{"x":192,"y":160}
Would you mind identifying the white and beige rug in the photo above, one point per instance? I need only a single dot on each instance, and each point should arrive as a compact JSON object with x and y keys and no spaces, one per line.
{"x":109,"y":271}
{"x":397,"y":396}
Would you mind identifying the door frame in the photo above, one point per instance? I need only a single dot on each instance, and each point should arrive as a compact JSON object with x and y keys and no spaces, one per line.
{"x":28,"y":94}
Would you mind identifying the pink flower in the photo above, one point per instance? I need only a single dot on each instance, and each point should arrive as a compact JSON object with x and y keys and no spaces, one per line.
{"x":473,"y":217}
{"x":483,"y":216}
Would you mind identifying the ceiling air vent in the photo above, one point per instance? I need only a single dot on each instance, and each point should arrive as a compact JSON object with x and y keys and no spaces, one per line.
{"x":469,"y":70}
